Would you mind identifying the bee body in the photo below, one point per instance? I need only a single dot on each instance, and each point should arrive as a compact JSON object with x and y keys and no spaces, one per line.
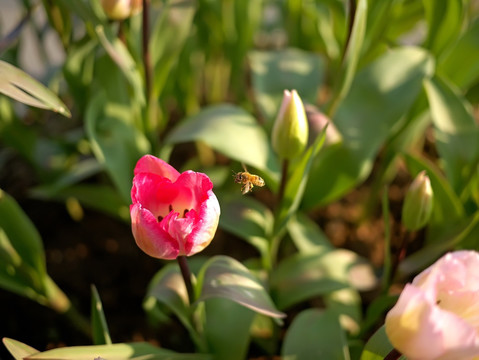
{"x":248,"y":181}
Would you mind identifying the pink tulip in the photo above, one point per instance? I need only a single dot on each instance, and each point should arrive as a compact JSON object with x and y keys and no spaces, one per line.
{"x":437,"y":316}
{"x":172,"y":214}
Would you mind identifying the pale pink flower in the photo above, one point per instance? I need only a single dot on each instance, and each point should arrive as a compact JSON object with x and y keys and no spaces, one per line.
{"x":172,"y":214}
{"x":437,"y":316}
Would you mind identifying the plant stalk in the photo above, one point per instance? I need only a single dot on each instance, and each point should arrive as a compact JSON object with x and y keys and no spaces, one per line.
{"x":186,"y":273}
{"x":393,"y":355}
{"x":146,"y":48}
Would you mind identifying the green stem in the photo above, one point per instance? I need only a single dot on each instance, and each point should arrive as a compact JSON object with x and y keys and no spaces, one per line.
{"x":146,"y":49}
{"x":186,"y":273}
{"x":393,"y":355}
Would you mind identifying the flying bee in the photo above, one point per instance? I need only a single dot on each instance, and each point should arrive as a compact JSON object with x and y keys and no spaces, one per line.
{"x":248,"y":181}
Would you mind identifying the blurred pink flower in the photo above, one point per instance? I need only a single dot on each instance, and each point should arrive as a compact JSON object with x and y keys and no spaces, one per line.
{"x":437,"y":316}
{"x":172,"y":214}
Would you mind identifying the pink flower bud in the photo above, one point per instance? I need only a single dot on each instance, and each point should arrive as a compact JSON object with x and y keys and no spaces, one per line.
{"x":437,"y":315}
{"x":121,"y":9}
{"x":172,"y":214}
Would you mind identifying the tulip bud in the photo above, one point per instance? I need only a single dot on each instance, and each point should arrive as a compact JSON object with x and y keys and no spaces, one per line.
{"x":290,"y":130}
{"x":121,"y":9}
{"x":417,"y":207}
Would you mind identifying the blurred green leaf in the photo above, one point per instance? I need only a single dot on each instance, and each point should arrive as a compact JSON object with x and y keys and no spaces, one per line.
{"x":231,"y":131}
{"x":274,"y":72}
{"x":123,"y":59}
{"x":102,"y":198}
{"x":346,"y":303}
{"x":168,"y":38}
{"x":225,"y":277}
{"x":248,"y":219}
{"x":22,"y":234}
{"x":351,"y":56}
{"x":444,"y":23}
{"x":370,"y":112}
{"x":315,"y":334}
{"x":116,"y":142}
{"x":459,"y":63}
{"x":60,"y":19}
{"x":20,"y":86}
{"x":306,"y":275}
{"x":377,"y":347}
{"x":306,"y":234}
{"x":227,"y":328}
{"x":101,"y":334}
{"x":456,"y":133}
{"x":17,"y":349}
{"x":111,"y":352}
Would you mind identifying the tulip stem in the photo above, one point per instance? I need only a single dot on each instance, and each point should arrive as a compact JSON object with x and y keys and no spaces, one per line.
{"x":284,"y":180}
{"x":146,"y":49}
{"x":406,"y":239}
{"x":393,"y":355}
{"x":186,"y":273}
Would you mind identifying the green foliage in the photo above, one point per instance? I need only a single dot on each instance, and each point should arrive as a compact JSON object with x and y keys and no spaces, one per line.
{"x":398,"y":82}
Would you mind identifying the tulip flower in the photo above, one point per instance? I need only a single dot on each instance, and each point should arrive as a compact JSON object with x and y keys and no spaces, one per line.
{"x":121,"y":9}
{"x":172,"y":214}
{"x":437,"y":316}
{"x":418,"y":203}
{"x":290,"y":131}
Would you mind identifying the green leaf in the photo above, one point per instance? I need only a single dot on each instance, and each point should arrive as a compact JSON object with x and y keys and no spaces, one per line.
{"x":103,"y":198}
{"x":22,"y":234}
{"x":346,"y":303}
{"x":276,"y":71}
{"x":20,"y":86}
{"x":306,"y":275}
{"x":118,"y":52}
{"x":456,"y":133}
{"x":444,"y":23}
{"x":351,"y":57}
{"x":168,"y":38}
{"x":18,"y":350}
{"x":249,"y":219}
{"x":380,"y":96}
{"x":315,"y":334}
{"x":101,"y":334}
{"x":116,"y":142}
{"x":168,"y":288}
{"x":459,"y":64}
{"x":377,"y":347}
{"x":111,"y":352}
{"x":231,"y":131}
{"x":225,"y":277}
{"x":306,"y":234}
{"x":227,"y":328}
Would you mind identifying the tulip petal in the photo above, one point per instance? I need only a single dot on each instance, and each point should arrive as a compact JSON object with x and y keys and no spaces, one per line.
{"x":150,"y":236}
{"x":154,"y":165}
{"x":421,"y":330}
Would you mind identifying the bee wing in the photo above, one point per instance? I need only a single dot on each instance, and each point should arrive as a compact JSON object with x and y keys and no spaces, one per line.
{"x":244,"y":167}
{"x":247,"y":187}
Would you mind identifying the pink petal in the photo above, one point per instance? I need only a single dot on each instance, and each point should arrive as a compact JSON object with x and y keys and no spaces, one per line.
{"x":150,"y":236}
{"x":154,"y":165}
{"x":421,"y":330}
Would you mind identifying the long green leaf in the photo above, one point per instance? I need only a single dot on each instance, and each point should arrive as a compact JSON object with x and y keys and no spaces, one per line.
{"x":22,"y":87}
{"x":380,"y":96}
{"x":456,"y":133}
{"x":101,"y":334}
{"x":225,"y":277}
{"x":18,"y":350}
